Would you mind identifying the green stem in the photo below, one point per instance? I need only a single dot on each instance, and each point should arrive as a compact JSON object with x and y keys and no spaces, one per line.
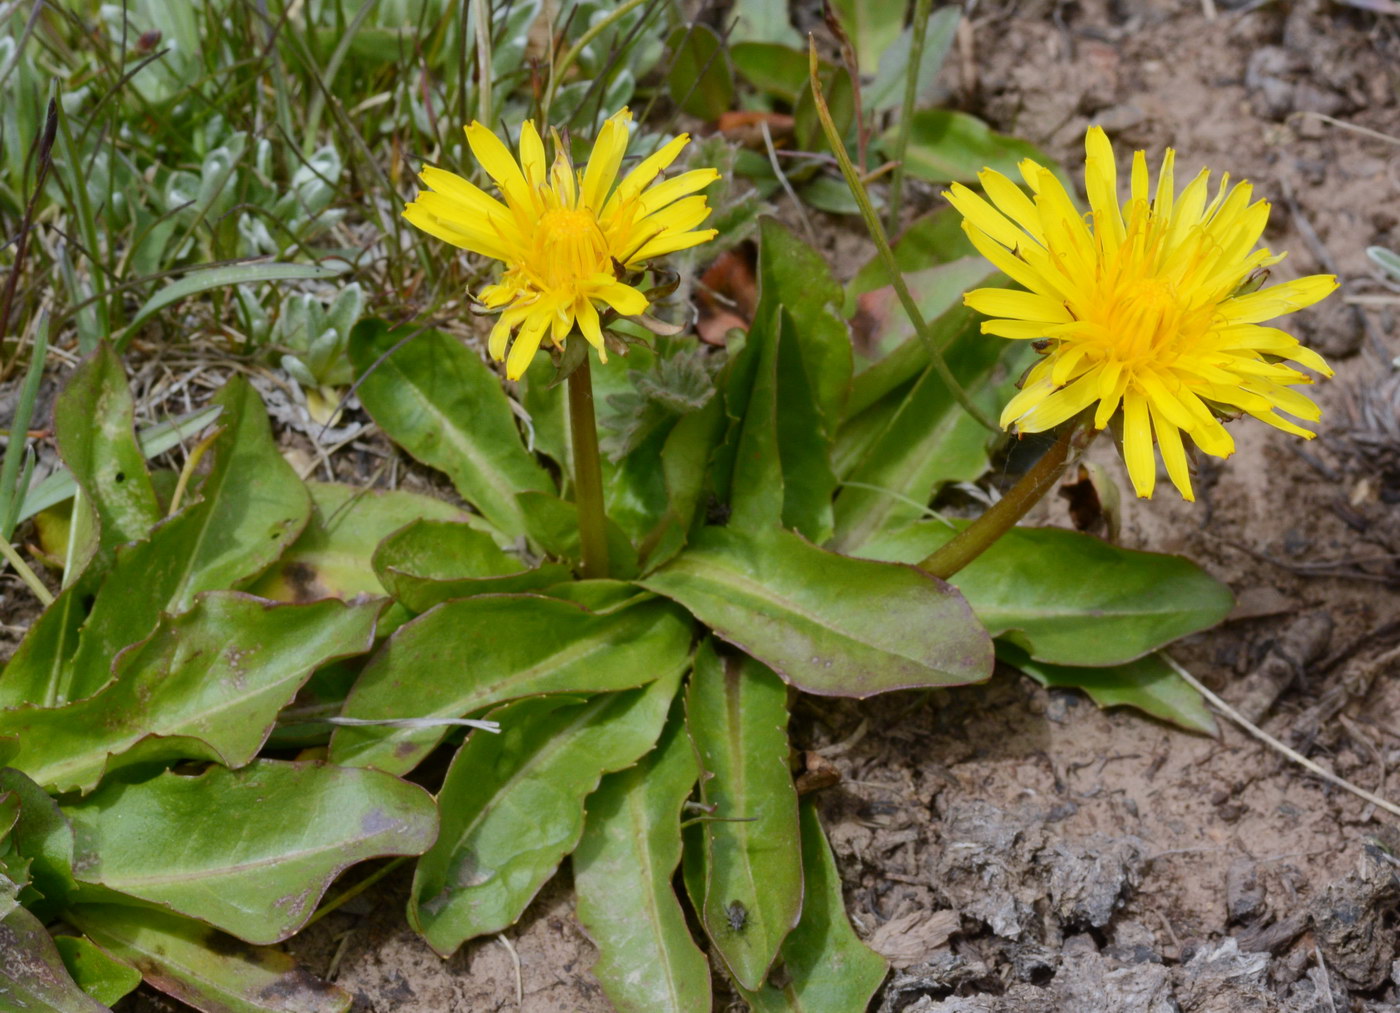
{"x":1001,"y":516}
{"x":351,"y":893}
{"x":556,"y":73}
{"x":906,"y":116}
{"x":484,"y":61}
{"x":25,"y":573}
{"x":882,"y":245}
{"x":588,"y":474}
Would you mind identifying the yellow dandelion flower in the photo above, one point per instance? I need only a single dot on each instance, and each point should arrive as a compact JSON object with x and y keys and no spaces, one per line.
{"x":569,"y":240}
{"x":1144,"y":305}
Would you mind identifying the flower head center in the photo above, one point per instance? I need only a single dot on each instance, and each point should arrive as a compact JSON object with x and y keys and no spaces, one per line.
{"x":568,"y":247}
{"x":1140,"y":302}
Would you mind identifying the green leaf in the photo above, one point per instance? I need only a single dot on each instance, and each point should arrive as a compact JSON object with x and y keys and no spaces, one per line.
{"x":685,"y":459}
{"x":430,"y":561}
{"x":552,"y":524}
{"x":97,"y":972}
{"x":441,"y":403}
{"x":736,"y":710}
{"x":1149,"y":684}
{"x":771,"y":67}
{"x":827,"y":969}
{"x":602,"y":596}
{"x":840,"y":95}
{"x":793,"y":275}
{"x":784,"y":392}
{"x":14,"y":866}
{"x":252,"y":507}
{"x":1389,"y":260}
{"x":827,"y":623}
{"x":154,"y":440}
{"x":880,"y":392}
{"x":623,"y":866}
{"x":931,"y":240}
{"x":203,"y":967}
{"x":299,"y":825}
{"x":9,"y":889}
{"x":870,"y":28}
{"x":832,"y":195}
{"x":544,"y":401}
{"x":118,"y":505}
{"x":467,"y":655}
{"x":699,"y":77}
{"x":93,"y":423}
{"x":763,"y":21}
{"x":512,"y":804}
{"x":886,"y":91}
{"x":44,"y":838}
{"x":1071,"y":599}
{"x":927,"y":442}
{"x":332,"y":558}
{"x":756,"y":497}
{"x":212,"y":679}
{"x":204,"y":279}
{"x":936,"y":289}
{"x":946,"y":146}
{"x":814,"y":374}
{"x":32,"y":975}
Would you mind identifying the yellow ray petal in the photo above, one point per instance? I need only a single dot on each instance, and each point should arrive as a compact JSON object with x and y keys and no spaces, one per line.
{"x":624,"y":298}
{"x":605,"y":160}
{"x":657,"y":197}
{"x":987,"y":218}
{"x":588,"y":326}
{"x":1164,"y":201}
{"x":1101,"y":184}
{"x":1013,"y":267}
{"x":1016,"y":330}
{"x":1173,"y":453}
{"x":499,"y":164}
{"x":1012,"y":201}
{"x":532,"y":159}
{"x":672,"y":242}
{"x":477,"y":241}
{"x":1035,"y":391}
{"x":1213,"y":439}
{"x":1278,"y":300}
{"x":1137,"y":445}
{"x":1002,"y":302}
{"x":1139,"y":177}
{"x":640,"y":178}
{"x":1061,"y":405}
{"x":526,"y":344}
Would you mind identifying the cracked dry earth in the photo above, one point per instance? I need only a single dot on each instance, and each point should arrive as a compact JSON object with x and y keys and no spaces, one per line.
{"x":1015,"y":850}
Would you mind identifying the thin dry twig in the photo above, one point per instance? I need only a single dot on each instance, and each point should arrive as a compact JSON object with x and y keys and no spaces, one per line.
{"x":515,"y":962}
{"x":787,"y":187}
{"x":1264,"y":737}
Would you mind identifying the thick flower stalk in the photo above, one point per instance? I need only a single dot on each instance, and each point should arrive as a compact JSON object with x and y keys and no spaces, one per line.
{"x":1149,"y":307}
{"x":570,"y":241}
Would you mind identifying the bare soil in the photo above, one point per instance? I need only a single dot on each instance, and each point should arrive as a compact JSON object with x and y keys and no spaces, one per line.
{"x":1013,"y":849}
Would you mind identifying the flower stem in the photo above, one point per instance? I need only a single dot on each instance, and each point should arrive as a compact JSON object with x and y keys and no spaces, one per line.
{"x":981,"y":534}
{"x":882,"y":246}
{"x":588,"y":474}
{"x":906,"y":117}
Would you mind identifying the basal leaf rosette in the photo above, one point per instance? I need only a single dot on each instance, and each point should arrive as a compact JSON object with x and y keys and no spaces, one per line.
{"x":1150,"y":305}
{"x":572,"y":242}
